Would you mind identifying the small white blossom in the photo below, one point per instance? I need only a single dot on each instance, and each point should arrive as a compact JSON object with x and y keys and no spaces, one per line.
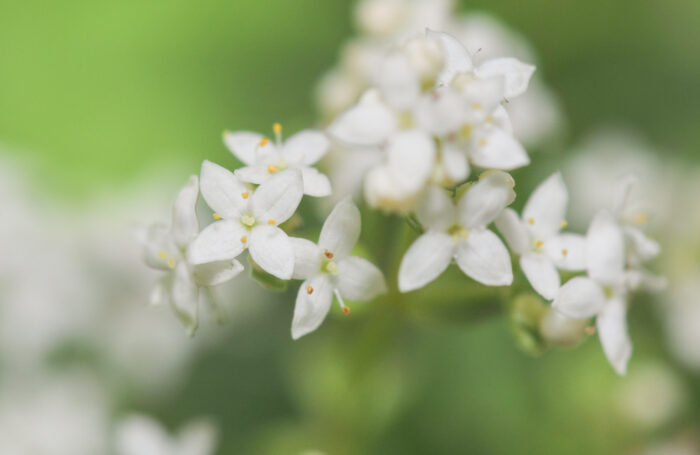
{"x":141,"y":435}
{"x":263,"y":159}
{"x":327,"y":269}
{"x":631,"y":213}
{"x":166,"y":248}
{"x":461,"y":233}
{"x":248,"y":219}
{"x":604,"y":292}
{"x":538,"y":240}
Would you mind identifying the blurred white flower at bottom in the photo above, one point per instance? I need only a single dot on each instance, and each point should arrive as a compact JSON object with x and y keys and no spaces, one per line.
{"x":141,"y":435}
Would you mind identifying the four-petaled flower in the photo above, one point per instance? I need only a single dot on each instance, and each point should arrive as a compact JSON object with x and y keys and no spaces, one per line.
{"x":165,"y":248}
{"x":247,"y":219}
{"x":537,"y":238}
{"x":327,"y":269}
{"x":461,"y":233}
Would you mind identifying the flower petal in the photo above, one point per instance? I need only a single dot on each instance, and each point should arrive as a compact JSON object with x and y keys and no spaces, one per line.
{"x":247,"y":146}
{"x":160,"y":294}
{"x":495,"y":148}
{"x":306,"y":147}
{"x":541,"y":274}
{"x":278,"y":198}
{"x":441,"y":113}
{"x":270,"y":248}
{"x":222,"y":190}
{"x":368,"y":123}
{"x":256,"y":173}
{"x":307,"y":258}
{"x":484,"y":201}
{"x":612,"y":331}
{"x":435,"y":210}
{"x":545,"y":210}
{"x":220,"y":241}
{"x":514,"y":231}
{"x":359,"y":280}
{"x":397,"y":81}
{"x":568,"y":251}
{"x":158,"y":247}
{"x":185,"y":225}
{"x":312,"y":307}
{"x":425,"y":260}
{"x":215,"y":273}
{"x":516,"y":74}
{"x":315,"y":183}
{"x":579,"y":298}
{"x":642,"y":247}
{"x":455,"y":163}
{"x":341,"y":229}
{"x":185,"y":297}
{"x":456,"y":57}
{"x":605,"y":249}
{"x":483,"y":257}
{"x":411,"y":157}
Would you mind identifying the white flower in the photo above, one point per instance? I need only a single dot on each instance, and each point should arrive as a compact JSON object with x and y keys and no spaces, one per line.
{"x":141,"y":435}
{"x":537,"y":238}
{"x":631,"y":214}
{"x":327,"y":269}
{"x":166,"y":249}
{"x":247,"y":219}
{"x":460,"y":232}
{"x":263,"y":159}
{"x":603,"y":293}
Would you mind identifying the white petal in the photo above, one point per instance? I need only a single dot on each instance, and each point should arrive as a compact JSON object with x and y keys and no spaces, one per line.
{"x":156,"y":242}
{"x":568,"y":251}
{"x":341,"y":229}
{"x":185,"y":297}
{"x":425,"y":260}
{"x":411,"y":157}
{"x":368,"y":123}
{"x":246,"y":146}
{"x":315,"y":183}
{"x":306,"y":147}
{"x":622,"y":193}
{"x":456,"y":57}
{"x":220,"y":241}
{"x":483,"y":257}
{"x":643,"y":247}
{"x":441,"y":112}
{"x":160,"y":294}
{"x":397,"y":81}
{"x":516,"y":74}
{"x":359,"y":280}
{"x":579,"y":298}
{"x":484,"y":201}
{"x":256,"y":173}
{"x":307,"y":258}
{"x":612,"y":331}
{"x":455,"y":163}
{"x":311,"y":308}
{"x":605,"y":249}
{"x":185,"y":225}
{"x":541,"y":274}
{"x":495,"y":148}
{"x":222,"y":190}
{"x":435,"y":210}
{"x":271,"y":249}
{"x":644,"y":280}
{"x":215,"y":273}
{"x":545,"y":210}
{"x":514,"y":231}
{"x":278,"y":198}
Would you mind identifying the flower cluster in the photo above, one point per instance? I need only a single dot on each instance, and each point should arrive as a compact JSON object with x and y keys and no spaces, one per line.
{"x":430,"y":115}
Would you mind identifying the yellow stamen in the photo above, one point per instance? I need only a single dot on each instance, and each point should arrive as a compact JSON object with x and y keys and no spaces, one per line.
{"x":162,"y":254}
{"x":482,"y":142}
{"x":476,"y":106}
{"x":216,"y":216}
{"x":640,"y":218}
{"x":263,"y":142}
{"x":346,"y":310}
{"x":271,"y":222}
{"x":564,"y":224}
{"x":328,"y":254}
{"x":171,"y":262}
{"x":309,"y":290}
{"x":244,"y":239}
{"x":539,"y":244}
{"x":531,"y":221}
{"x":277,"y":128}
{"x":590,"y":330}
{"x":489,"y":119}
{"x":564,"y":251}
{"x":245,"y":195}
{"x":271,"y":168}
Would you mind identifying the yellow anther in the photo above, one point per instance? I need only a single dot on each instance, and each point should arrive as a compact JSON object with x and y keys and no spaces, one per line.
{"x":465,"y":131}
{"x":309,"y":290}
{"x":346,"y":310}
{"x":328,"y":254}
{"x":482,"y":142}
{"x":245,"y":195}
{"x":564,"y":252}
{"x":244,"y":239}
{"x":271,"y":168}
{"x":531,"y":221}
{"x":271,"y":222}
{"x":539,"y":244}
{"x":216,"y":216}
{"x":277,"y":128}
{"x":171,"y":262}
{"x":590,"y":330}
{"x":162,"y":254}
{"x":564,"y":224}
{"x":263,"y":142}
{"x":640,"y":218}
{"x":489,"y":119}
{"x":477,"y":106}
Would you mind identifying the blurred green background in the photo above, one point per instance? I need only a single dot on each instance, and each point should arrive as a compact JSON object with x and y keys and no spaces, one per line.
{"x":100,"y":95}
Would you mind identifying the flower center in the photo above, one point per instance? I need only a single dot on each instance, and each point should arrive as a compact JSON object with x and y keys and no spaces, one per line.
{"x":405,"y":120}
{"x":458,"y":232}
{"x":248,"y":221}
{"x":329,"y":267}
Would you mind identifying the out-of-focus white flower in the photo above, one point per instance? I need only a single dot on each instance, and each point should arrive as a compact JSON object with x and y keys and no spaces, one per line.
{"x":537,"y":238}
{"x":327,"y":269}
{"x":603,"y":293}
{"x":248,"y":219}
{"x":560,"y":330}
{"x":460,"y":232}
{"x":263,"y":159}
{"x":394,"y":19}
{"x":165,"y":248}
{"x":141,"y":435}
{"x":682,"y":318}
